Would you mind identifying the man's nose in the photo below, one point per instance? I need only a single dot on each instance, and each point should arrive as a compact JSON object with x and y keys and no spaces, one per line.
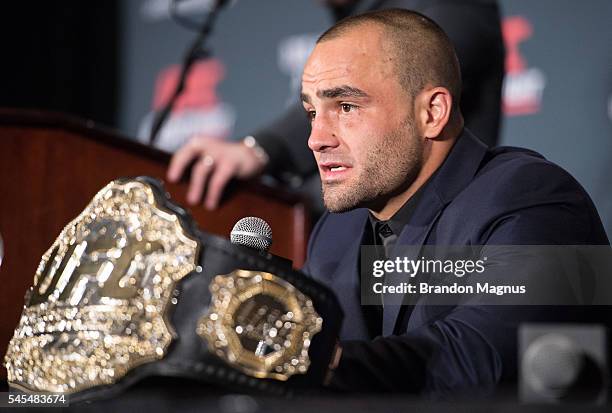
{"x":322,"y":135}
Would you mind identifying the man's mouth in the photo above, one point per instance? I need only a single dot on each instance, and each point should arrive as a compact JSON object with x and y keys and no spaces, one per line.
{"x":333,"y":171}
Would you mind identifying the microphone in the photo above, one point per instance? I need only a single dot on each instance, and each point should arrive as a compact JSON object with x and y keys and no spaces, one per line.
{"x":252,"y":232}
{"x":196,"y":51}
{"x":562,"y":363}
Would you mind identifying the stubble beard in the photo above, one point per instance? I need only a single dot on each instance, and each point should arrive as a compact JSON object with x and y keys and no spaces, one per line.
{"x":390,"y":168}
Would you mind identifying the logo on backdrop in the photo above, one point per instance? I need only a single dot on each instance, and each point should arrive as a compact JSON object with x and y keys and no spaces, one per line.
{"x":293,"y":51}
{"x":156,"y":10}
{"x":523,"y":85}
{"x":197,"y":111}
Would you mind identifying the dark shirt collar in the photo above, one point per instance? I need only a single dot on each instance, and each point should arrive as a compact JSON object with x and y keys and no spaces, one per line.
{"x":397,"y":222}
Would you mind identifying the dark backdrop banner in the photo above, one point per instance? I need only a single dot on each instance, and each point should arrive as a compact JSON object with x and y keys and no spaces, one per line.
{"x":557,"y":93}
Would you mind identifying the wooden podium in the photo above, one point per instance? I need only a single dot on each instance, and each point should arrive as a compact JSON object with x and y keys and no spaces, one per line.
{"x":51,"y":166}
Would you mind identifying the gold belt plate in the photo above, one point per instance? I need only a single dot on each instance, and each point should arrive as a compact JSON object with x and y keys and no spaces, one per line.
{"x":101,"y":294}
{"x":259,"y":324}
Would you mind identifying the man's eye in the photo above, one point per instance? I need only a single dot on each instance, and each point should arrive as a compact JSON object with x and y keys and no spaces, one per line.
{"x":311,"y":114}
{"x":347,"y":107}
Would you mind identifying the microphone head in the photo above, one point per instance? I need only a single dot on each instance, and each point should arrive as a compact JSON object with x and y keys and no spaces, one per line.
{"x":553,"y":363}
{"x":252,"y":232}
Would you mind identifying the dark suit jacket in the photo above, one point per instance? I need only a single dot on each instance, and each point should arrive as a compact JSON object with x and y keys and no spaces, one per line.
{"x":504,"y":196}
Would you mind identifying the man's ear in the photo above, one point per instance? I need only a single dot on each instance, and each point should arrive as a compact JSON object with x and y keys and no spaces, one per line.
{"x":433,"y":106}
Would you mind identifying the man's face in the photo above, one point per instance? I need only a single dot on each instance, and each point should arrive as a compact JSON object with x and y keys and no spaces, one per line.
{"x":363,"y":135}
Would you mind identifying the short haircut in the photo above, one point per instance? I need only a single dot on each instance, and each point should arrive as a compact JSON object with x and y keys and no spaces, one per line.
{"x":426,"y":54}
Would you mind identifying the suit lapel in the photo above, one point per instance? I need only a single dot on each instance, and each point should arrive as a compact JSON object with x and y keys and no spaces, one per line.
{"x":457,"y":171}
{"x":414,"y":235}
{"x":345,"y":279}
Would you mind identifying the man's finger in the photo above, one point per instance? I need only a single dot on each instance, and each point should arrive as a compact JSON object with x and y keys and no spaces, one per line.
{"x":221,"y":175}
{"x":180,"y":160}
{"x":199,"y":174}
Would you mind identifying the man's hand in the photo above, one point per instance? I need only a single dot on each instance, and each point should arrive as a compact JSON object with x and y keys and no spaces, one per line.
{"x":216,"y":162}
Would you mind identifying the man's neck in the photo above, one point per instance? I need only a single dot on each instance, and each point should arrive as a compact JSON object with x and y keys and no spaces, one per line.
{"x":438,"y":152}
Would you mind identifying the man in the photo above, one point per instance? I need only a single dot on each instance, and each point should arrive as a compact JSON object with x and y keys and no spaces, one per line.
{"x":280,"y":150}
{"x":398,"y":168}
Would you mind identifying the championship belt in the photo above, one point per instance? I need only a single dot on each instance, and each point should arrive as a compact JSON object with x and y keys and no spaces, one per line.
{"x":132,"y":289}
